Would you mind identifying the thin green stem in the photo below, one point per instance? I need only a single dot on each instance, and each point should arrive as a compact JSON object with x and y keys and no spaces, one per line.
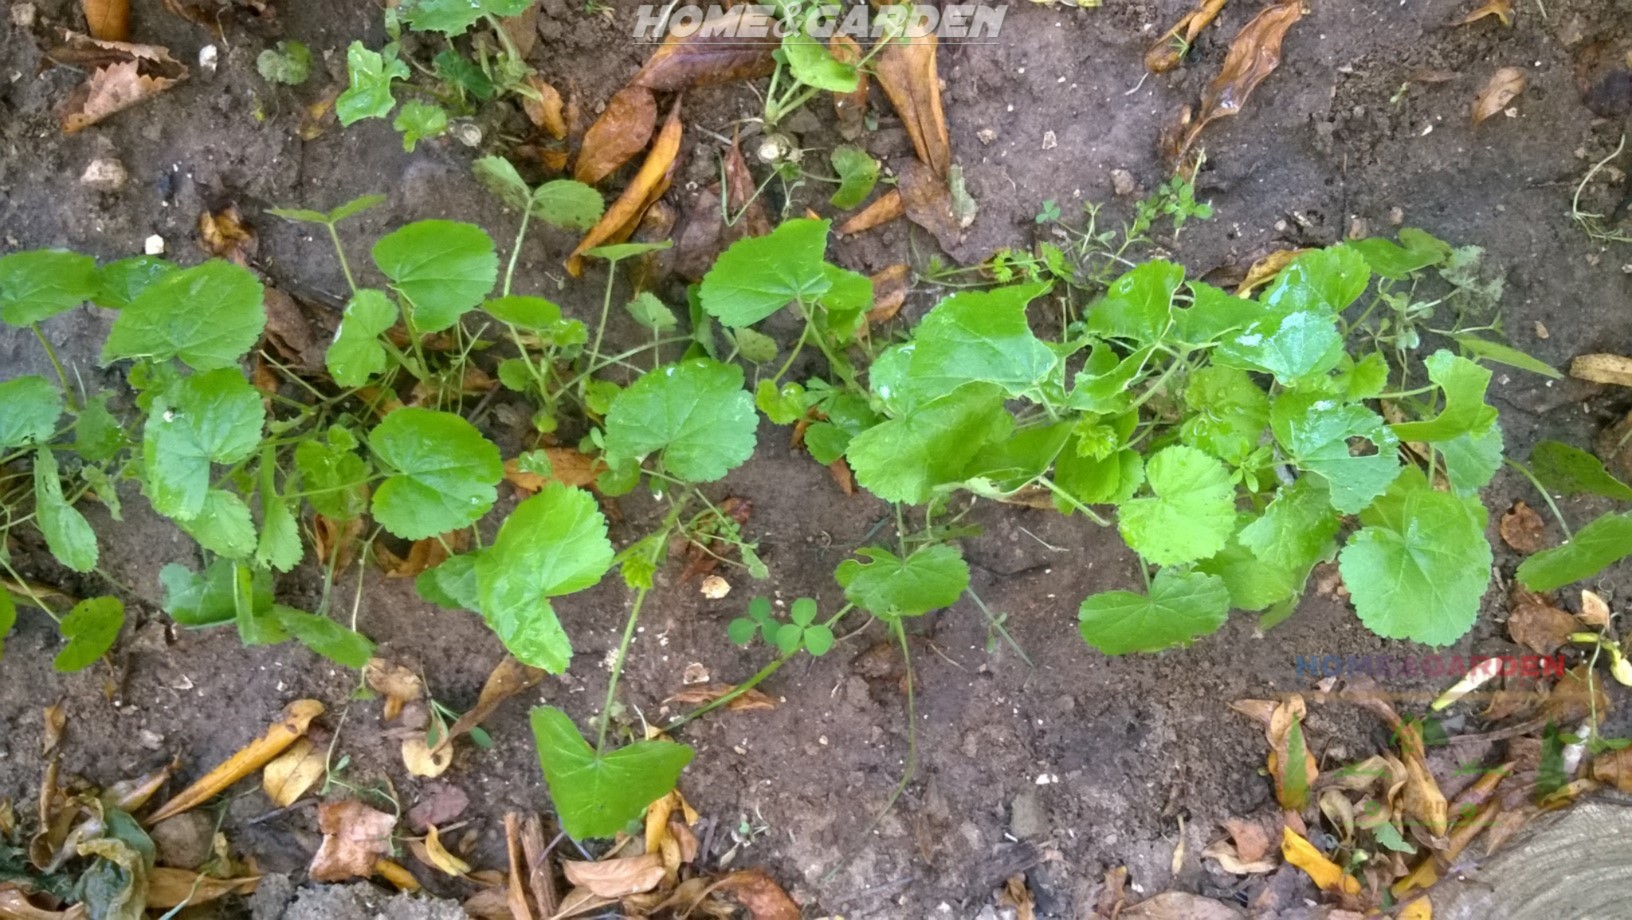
{"x":510,"y":270}
{"x":340,"y":251}
{"x":1071,"y":500}
{"x":617,"y":669}
{"x":797,"y":348}
{"x":23,"y":587}
{"x":606,"y":310}
{"x":1545,"y":496}
{"x":62,"y":375}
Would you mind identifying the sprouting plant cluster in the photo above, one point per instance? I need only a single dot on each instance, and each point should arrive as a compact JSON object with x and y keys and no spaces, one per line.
{"x":1234,"y":441}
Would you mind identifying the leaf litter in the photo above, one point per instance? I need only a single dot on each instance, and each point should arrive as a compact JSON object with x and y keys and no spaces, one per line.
{"x":122,"y":75}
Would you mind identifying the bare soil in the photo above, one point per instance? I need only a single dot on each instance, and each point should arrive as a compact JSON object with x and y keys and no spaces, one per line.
{"x":1061,"y":770}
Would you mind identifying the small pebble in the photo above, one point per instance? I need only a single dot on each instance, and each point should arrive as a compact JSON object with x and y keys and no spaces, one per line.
{"x":154,"y":245}
{"x":105,"y":174}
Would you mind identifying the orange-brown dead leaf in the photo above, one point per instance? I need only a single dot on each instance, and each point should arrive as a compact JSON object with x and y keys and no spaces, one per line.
{"x":289,"y":331}
{"x":889,"y":293}
{"x":884,"y":208}
{"x":1017,"y":896}
{"x":398,"y":684}
{"x":337,"y":541}
{"x":547,"y":111}
{"x":122,"y":75}
{"x":616,"y":878}
{"x":927,"y":201}
{"x":56,"y":720}
{"x":258,"y":753}
{"x":296,"y":770}
{"x":1265,"y":269}
{"x":1523,"y":529}
{"x":1614,"y":768}
{"x":420,"y":760}
{"x":1501,"y":9}
{"x":508,"y":678}
{"x":716,"y":51}
{"x":1594,"y":610}
{"x":355,"y":837}
{"x":708,"y":693}
{"x":1503,"y":87}
{"x":615,"y":137}
{"x":14,"y":905}
{"x":522,"y":29}
{"x":1291,"y":785}
{"x":1254,"y":54}
{"x":108,"y":20}
{"x":760,"y":894}
{"x":843,"y":477}
{"x":399,"y":877}
{"x":224,"y":235}
{"x":1535,"y":623}
{"x":649,"y":185}
{"x":1169,"y":50}
{"x":907,"y":72}
{"x":1327,"y":875}
{"x":568,"y":466}
{"x":850,"y":109}
{"x":168,"y":888}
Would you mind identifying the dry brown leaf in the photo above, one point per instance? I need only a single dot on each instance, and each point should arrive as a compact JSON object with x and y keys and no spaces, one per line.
{"x":707,"y":231}
{"x":907,"y":72}
{"x":14,"y":905}
{"x":1614,"y":768}
{"x":1252,"y":842}
{"x":56,"y":720}
{"x":1254,"y":54}
{"x":547,"y":110}
{"x":927,"y":201}
{"x":615,"y":878}
{"x":1503,"y":87}
{"x":842,"y":475}
{"x":1501,"y":9}
{"x":540,"y":879}
{"x":396,"y":874}
{"x":289,"y":332}
{"x":1613,"y":369}
{"x":1571,"y":700}
{"x":522,"y":30}
{"x":751,"y":701}
{"x":127,"y":795}
{"x":1522,"y":528}
{"x":258,"y":753}
{"x":337,"y":541}
{"x":1265,"y":269}
{"x":108,"y":20}
{"x":1291,"y":786}
{"x":1180,"y":905}
{"x":515,"y":882}
{"x":1478,"y":792}
{"x":1230,"y":860}
{"x":1594,"y":610}
{"x":568,"y":466}
{"x":124,"y":74}
{"x":287,"y":778}
{"x":439,"y":856}
{"x":224,"y":234}
{"x":355,"y":837}
{"x":169,"y":888}
{"x":398,"y":684}
{"x":443,"y":803}
{"x":648,"y":185}
{"x":421,"y":760}
{"x":716,"y":51}
{"x":1538,"y":625}
{"x":889,"y":293}
{"x":1423,"y":799}
{"x":760,"y":894}
{"x":1016,"y":895}
{"x":621,"y":132}
{"x":882,"y":210}
{"x":1169,"y":50}
{"x":850,"y":109}
{"x":508,"y":678}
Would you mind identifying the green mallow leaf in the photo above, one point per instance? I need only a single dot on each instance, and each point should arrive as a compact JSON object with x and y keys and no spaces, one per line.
{"x":1362,"y":379}
{"x":356,"y":354}
{"x":652,"y":313}
{"x":553,"y":543}
{"x":600,"y":794}
{"x":213,"y":417}
{"x":307,"y":216}
{"x":760,"y":275}
{"x":858,"y":173}
{"x":754,"y":347}
{"x":1294,"y":346}
{"x":1228,"y":413}
{"x":1471,"y":460}
{"x":223,"y":526}
{"x":444,"y":473}
{"x":8,"y":617}
{"x":1296,"y":530}
{"x":1090,"y":480}
{"x":453,"y":17}
{"x":1139,"y":305}
{"x":567,"y":204}
{"x":1320,"y":281}
{"x":443,"y":267}
{"x":91,"y":628}
{"x":1571,"y":470}
{"x":38,"y":284}
{"x":67,"y":534}
{"x":1419,"y":565}
{"x":904,"y":459}
{"x":1463,"y":383}
{"x":1315,"y":433}
{"x":98,"y":433}
{"x":1212,"y":313}
{"x":1393,"y":261}
{"x":279,"y":544}
{"x":29,"y":409}
{"x":418,"y":121}
{"x":333,"y":477}
{"x":979,"y":336}
{"x":815,"y":66}
{"x":123,"y":281}
{"x":1253,"y":583}
{"x":322,"y":635}
{"x":1597,"y":546}
{"x":784,"y":405}
{"x":290,"y":63}
{"x":208,"y":316}
{"x":208,"y":598}
{"x":1505,"y":354}
{"x":1180,"y":607}
{"x":694,"y":414}
{"x":889,"y":587}
{"x":1190,"y":512}
{"x":369,"y":94}
{"x":500,"y":177}
{"x":534,"y":314}
{"x":451,"y":585}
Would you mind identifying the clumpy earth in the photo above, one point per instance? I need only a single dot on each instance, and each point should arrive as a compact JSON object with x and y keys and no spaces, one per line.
{"x":1062,"y":768}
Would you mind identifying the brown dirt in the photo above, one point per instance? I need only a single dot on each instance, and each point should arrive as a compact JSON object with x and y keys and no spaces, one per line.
{"x":1064,"y":770}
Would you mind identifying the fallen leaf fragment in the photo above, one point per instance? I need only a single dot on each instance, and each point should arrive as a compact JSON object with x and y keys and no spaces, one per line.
{"x":884,"y":208}
{"x":1179,"y":905}
{"x":907,"y":72}
{"x":439,"y":856}
{"x":720,"y":49}
{"x":396,"y":874}
{"x":515,"y":883}
{"x":224,"y":234}
{"x":122,"y":75}
{"x":294,"y":771}
{"x":760,"y":894}
{"x":1501,"y":9}
{"x":1522,"y":528}
{"x":889,"y":293}
{"x":355,"y":838}
{"x":568,"y":466}
{"x":1594,"y":610}
{"x":1613,"y":369}
{"x":1327,"y":875}
{"x":1169,"y":50}
{"x":1538,"y":625}
{"x":1503,"y":87}
{"x":443,"y":803}
{"x":927,"y":200}
{"x":258,"y":753}
{"x":398,"y":684}
{"x":1265,"y":269}
{"x":128,"y":795}
{"x":108,"y":20}
{"x":1016,"y":896}
{"x":540,"y":880}
{"x":14,"y":905}
{"x":747,"y":702}
{"x":648,"y":185}
{"x":1291,"y":764}
{"x":508,"y":678}
{"x":850,"y":109}
{"x":421,"y":760}
{"x":170,"y":888}
{"x":615,"y":878}
{"x":1254,"y":54}
{"x":1614,"y":768}
{"x":621,"y":132}
{"x":1423,"y":799}
{"x":56,"y":720}
{"x":545,"y":111}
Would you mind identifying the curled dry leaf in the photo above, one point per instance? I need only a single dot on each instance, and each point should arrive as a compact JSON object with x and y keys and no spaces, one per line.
{"x":438,"y":857}
{"x":56,"y":720}
{"x":1254,"y":54}
{"x":568,"y":466}
{"x":1614,"y":768}
{"x":889,"y":293}
{"x":615,"y":878}
{"x":337,"y":540}
{"x":128,"y":795}
{"x":1169,"y":50}
{"x":1423,"y":799}
{"x":508,"y":678}
{"x":927,"y":201}
{"x":1522,"y":528}
{"x":522,"y":30}
{"x":1535,"y":623}
{"x":121,"y":75}
{"x":1501,"y":9}
{"x":907,"y":72}
{"x":1252,"y":841}
{"x":1291,"y":764}
{"x":718,"y":50}
{"x":842,"y":475}
{"x":355,"y":837}
{"x":748,"y":702}
{"x":398,"y":684}
{"x":547,"y":111}
{"x":649,"y":184}
{"x":885,"y":208}
{"x":1016,"y":896}
{"x":850,"y":109}
{"x":290,"y":333}
{"x":1327,"y":875}
{"x":1594,"y":610}
{"x":14,"y":905}
{"x":621,"y":132}
{"x":288,"y":777}
{"x":421,"y":760}
{"x":258,"y":753}
{"x":169,"y":888}
{"x":224,"y":234}
{"x":760,"y":894}
{"x":108,"y":20}
{"x":442,"y":803}
{"x":1503,"y":87}
{"x":422,"y":554}
{"x":1265,"y":269}
{"x":1613,"y":369}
